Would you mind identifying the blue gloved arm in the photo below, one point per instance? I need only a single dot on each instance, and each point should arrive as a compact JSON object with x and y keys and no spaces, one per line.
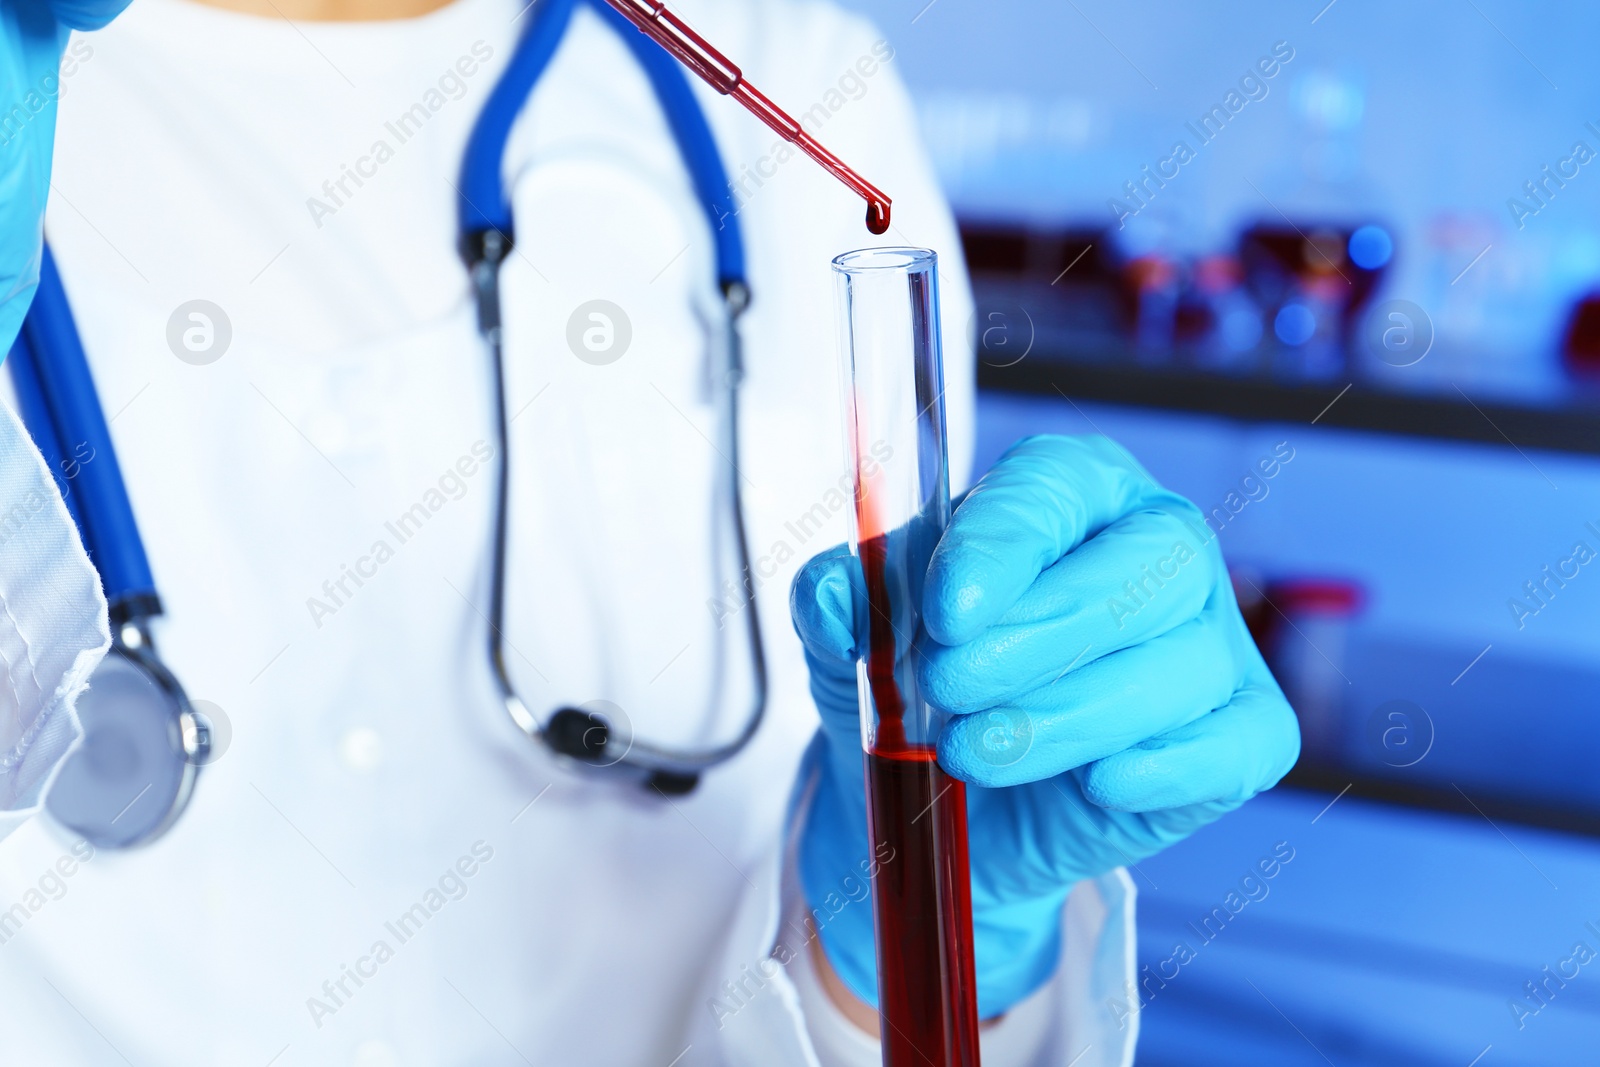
{"x":1108,"y":699}
{"x":34,"y":33}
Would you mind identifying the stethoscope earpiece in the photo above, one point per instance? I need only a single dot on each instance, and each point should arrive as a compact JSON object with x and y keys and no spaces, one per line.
{"x":589,"y":738}
{"x":579,"y":735}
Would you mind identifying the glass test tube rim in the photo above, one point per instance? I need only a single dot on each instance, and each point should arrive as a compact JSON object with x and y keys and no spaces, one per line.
{"x":908,"y":259}
{"x":874,"y":265}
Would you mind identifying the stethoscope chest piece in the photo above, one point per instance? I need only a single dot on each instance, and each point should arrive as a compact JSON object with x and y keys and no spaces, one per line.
{"x":142,"y":748}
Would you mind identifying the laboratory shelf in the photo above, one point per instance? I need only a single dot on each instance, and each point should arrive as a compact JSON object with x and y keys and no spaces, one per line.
{"x":1051,"y":322}
{"x":1557,"y":426}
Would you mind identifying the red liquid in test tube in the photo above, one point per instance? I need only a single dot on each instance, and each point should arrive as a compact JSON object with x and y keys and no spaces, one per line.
{"x":922,"y":898}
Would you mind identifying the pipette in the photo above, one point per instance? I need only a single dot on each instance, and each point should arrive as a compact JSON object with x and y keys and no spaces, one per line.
{"x":693,"y":51}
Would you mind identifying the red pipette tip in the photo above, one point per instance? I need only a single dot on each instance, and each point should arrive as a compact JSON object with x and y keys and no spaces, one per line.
{"x":717,"y":70}
{"x":877,"y":216}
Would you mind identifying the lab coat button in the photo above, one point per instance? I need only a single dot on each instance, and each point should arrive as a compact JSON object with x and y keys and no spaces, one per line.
{"x":361,"y":748}
{"x":375,"y":1053}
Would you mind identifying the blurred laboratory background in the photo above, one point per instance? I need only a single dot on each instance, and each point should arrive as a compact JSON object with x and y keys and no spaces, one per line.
{"x":1332,"y":270}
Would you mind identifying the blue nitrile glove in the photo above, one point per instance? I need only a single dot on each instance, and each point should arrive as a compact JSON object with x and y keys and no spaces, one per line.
{"x":30,"y":82}
{"x":1108,"y":699}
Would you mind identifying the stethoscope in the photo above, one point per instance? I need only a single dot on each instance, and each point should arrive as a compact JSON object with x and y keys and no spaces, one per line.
{"x":144,"y":741}
{"x":586,"y":735}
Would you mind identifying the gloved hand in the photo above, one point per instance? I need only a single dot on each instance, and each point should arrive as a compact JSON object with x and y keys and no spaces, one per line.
{"x":1107,"y":699}
{"x":35,"y":32}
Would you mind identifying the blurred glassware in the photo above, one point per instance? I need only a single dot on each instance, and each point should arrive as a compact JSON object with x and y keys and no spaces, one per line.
{"x":1473,"y":283}
{"x":1054,"y":289}
{"x":1580,"y":342}
{"x":1331,"y":104}
{"x":1312,"y":290}
{"x":1150,"y":290}
{"x":1304,"y":634}
{"x":1219,"y":316}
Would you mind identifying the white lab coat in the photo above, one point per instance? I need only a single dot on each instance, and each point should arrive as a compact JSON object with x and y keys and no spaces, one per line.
{"x":380,"y":869}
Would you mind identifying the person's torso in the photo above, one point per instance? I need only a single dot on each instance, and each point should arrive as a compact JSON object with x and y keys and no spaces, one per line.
{"x":317,"y":506}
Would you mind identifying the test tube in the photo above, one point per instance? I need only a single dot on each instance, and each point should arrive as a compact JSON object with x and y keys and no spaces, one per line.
{"x":893,"y":390}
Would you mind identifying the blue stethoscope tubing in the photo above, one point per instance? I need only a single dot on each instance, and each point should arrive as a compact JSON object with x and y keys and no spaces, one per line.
{"x":483,"y":203}
{"x":61,"y":409}
{"x":487,"y":235}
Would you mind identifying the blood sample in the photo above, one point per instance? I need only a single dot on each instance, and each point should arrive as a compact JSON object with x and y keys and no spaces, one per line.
{"x":922,"y":897}
{"x":717,"y":70}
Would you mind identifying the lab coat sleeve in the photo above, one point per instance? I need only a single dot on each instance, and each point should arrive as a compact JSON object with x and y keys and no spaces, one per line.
{"x":53,"y":628}
{"x":771,"y":1007}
